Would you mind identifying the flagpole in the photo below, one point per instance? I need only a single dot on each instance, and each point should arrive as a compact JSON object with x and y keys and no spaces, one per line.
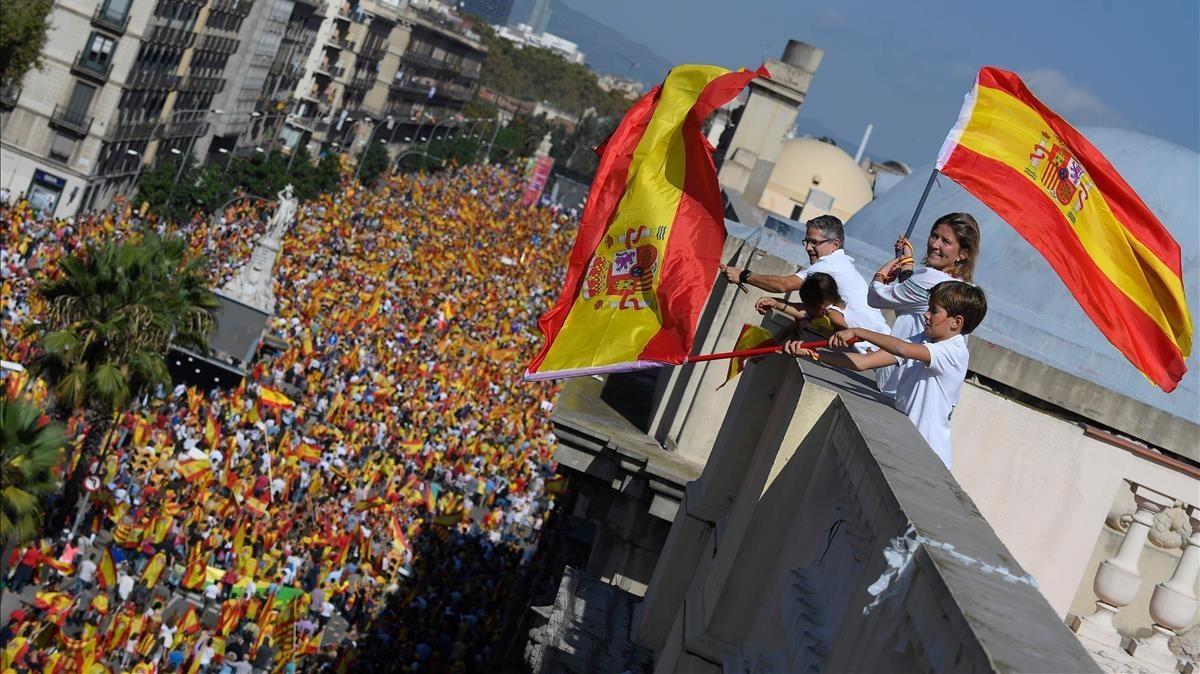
{"x":903,"y":274}
{"x":751,"y":353}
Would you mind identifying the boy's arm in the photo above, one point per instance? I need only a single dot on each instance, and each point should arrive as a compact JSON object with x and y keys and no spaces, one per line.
{"x":887,"y":343}
{"x":851,"y":360}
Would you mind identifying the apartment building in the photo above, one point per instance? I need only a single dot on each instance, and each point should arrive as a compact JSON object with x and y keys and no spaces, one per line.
{"x":123,"y":80}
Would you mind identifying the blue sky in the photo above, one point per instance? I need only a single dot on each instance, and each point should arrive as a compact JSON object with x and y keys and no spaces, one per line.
{"x":905,"y":66}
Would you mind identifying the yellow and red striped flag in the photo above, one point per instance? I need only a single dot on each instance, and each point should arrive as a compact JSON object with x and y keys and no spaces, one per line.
{"x":751,"y":337}
{"x":650,"y":238}
{"x":192,"y":469}
{"x":1062,"y":196}
{"x":212,"y":432}
{"x":154,"y":570}
{"x":272,"y":398}
{"x":308,"y":453}
{"x":106,"y":571}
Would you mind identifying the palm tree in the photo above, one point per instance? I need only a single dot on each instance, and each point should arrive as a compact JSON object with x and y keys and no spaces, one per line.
{"x":30,"y":448}
{"x":112,"y":313}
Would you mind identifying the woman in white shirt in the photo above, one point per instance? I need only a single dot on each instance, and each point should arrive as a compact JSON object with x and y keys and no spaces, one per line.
{"x":950,"y":255}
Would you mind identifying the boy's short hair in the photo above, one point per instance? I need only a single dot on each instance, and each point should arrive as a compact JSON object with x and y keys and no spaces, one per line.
{"x":961,"y":299}
{"x":819,"y":288}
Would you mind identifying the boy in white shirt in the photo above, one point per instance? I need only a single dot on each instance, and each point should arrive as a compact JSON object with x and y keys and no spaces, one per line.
{"x":933,"y":363}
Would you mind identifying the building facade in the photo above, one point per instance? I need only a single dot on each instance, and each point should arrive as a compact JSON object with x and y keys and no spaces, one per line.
{"x":123,"y":81}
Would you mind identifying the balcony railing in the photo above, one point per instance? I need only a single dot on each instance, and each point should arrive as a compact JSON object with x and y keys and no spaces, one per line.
{"x":133,"y":131}
{"x":172,"y":37}
{"x":341,"y":42}
{"x":149,"y":79}
{"x":210,"y":85}
{"x":71,"y":120}
{"x":374,"y":52}
{"x":88,"y":69}
{"x":102,"y":18}
{"x":427,"y":61}
{"x":9,"y":94}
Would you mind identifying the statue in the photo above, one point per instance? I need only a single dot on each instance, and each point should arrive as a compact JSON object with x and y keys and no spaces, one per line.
{"x":543,"y":149}
{"x":284,"y":214}
{"x":254,"y":283}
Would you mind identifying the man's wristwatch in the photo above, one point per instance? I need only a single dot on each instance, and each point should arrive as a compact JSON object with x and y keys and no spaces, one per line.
{"x":744,"y":276}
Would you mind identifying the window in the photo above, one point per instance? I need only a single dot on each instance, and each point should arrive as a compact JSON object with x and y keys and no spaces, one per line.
{"x":81,"y":100}
{"x":116,"y":10}
{"x":98,"y":54}
{"x":62,"y":148}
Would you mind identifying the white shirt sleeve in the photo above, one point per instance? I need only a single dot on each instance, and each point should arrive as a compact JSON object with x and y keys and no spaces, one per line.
{"x":945,"y":356}
{"x":906,"y":296}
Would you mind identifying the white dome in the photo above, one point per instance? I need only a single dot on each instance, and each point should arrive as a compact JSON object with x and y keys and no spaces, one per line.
{"x":1030,"y":311}
{"x":807,"y":163}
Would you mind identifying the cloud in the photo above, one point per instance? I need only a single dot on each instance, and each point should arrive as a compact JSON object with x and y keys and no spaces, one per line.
{"x":1076,"y":104}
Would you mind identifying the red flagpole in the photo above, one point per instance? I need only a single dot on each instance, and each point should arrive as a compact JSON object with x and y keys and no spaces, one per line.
{"x":760,"y":351}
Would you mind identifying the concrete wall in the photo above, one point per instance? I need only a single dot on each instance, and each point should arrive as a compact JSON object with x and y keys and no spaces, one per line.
{"x":690,"y":402}
{"x":767,"y":566}
{"x":1045,"y":487}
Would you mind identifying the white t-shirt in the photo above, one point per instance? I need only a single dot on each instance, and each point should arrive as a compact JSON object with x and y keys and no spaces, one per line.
{"x":929,"y":393}
{"x":909,"y":300}
{"x":851,"y":285}
{"x":856,"y":318}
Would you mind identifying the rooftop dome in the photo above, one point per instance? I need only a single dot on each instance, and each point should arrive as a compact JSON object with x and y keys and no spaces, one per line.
{"x":1030,"y":311}
{"x":809,"y":163}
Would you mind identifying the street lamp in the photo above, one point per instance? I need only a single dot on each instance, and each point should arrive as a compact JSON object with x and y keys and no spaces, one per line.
{"x":137,"y":174}
{"x":228,"y":162}
{"x":363,"y":159}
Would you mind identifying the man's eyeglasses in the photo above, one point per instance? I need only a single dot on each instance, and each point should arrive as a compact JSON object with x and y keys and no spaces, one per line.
{"x":817,"y":242}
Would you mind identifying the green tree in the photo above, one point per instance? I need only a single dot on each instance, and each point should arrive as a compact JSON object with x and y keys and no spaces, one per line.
{"x":22,"y":37}
{"x":375,"y":163}
{"x":30,"y":448}
{"x":111,"y":314}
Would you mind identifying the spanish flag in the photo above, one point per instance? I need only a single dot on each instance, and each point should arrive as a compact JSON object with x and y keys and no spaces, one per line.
{"x":192,"y":469}
{"x":751,"y":337}
{"x":650,"y":238}
{"x":1063,"y":197}
{"x":411,"y":447}
{"x":154,"y":570}
{"x":212,"y":433}
{"x":106,"y":571}
{"x":308,"y":453}
{"x":272,"y":398}
{"x":399,"y":540}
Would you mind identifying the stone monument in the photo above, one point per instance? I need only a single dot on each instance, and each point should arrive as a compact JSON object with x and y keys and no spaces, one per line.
{"x":254,"y":283}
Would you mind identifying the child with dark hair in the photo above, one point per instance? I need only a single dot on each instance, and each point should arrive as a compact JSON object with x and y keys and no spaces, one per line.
{"x":819,"y":298}
{"x":932,"y":364}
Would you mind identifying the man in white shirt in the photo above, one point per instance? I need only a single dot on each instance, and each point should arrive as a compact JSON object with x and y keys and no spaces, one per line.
{"x":823,"y":242}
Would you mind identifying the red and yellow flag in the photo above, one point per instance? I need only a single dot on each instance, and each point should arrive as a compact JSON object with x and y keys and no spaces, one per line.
{"x":1062,"y":196}
{"x":650,"y":238}
{"x":751,"y":337}
{"x":154,"y":570}
{"x":106,"y":571}
{"x":308,"y":453}
{"x":272,"y":398}
{"x":212,"y":432}
{"x":193,"y":469}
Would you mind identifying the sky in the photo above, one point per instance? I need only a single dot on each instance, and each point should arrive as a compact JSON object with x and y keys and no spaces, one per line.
{"x":905,"y":66}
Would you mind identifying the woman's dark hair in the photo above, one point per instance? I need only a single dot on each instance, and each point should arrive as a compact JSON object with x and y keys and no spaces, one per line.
{"x":966,"y":231}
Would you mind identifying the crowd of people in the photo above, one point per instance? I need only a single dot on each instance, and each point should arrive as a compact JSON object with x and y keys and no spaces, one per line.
{"x":364,"y":498}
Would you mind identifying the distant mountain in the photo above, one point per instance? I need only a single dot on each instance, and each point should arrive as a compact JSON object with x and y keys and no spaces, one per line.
{"x":607,"y":50}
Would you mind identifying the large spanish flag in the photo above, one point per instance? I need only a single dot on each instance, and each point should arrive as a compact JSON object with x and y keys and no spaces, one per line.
{"x":1063,"y":197}
{"x":650,"y":238}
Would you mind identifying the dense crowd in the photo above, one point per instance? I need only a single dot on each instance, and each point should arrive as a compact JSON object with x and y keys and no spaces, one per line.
{"x":363,"y":497}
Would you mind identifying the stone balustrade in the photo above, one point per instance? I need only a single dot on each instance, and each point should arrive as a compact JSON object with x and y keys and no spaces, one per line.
{"x":1119,"y":579}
